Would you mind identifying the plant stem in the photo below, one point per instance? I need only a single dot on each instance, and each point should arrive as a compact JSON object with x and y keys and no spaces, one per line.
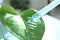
{"x":2,"y":34}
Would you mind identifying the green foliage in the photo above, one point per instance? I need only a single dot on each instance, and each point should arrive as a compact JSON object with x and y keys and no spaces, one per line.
{"x":13,"y":23}
{"x":8,"y":9}
{"x":19,"y":26}
{"x":35,"y":30}
{"x":28,"y":13}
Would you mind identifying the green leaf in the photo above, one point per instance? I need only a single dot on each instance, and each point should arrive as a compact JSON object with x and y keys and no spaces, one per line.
{"x":13,"y":23}
{"x":28,"y":13}
{"x":35,"y":30}
{"x":8,"y":9}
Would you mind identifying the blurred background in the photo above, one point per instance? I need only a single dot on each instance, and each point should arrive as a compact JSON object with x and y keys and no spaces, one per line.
{"x":21,"y":5}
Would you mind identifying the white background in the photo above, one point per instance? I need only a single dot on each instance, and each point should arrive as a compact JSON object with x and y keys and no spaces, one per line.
{"x":52,"y":31}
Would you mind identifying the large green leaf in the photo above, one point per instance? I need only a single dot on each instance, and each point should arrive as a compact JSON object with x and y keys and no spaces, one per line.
{"x":34,"y":30}
{"x":13,"y":23}
{"x":8,"y":9}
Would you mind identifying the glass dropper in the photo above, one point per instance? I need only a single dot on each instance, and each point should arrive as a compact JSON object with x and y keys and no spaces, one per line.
{"x":44,"y":11}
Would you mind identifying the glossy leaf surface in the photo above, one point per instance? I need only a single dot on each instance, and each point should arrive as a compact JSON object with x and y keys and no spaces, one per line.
{"x":35,"y":30}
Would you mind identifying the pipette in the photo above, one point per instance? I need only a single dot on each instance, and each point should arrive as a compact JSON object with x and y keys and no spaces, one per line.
{"x":44,"y":11}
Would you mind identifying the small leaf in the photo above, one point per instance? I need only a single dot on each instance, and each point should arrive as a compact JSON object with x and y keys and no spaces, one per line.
{"x":8,"y":9}
{"x":28,"y":13}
